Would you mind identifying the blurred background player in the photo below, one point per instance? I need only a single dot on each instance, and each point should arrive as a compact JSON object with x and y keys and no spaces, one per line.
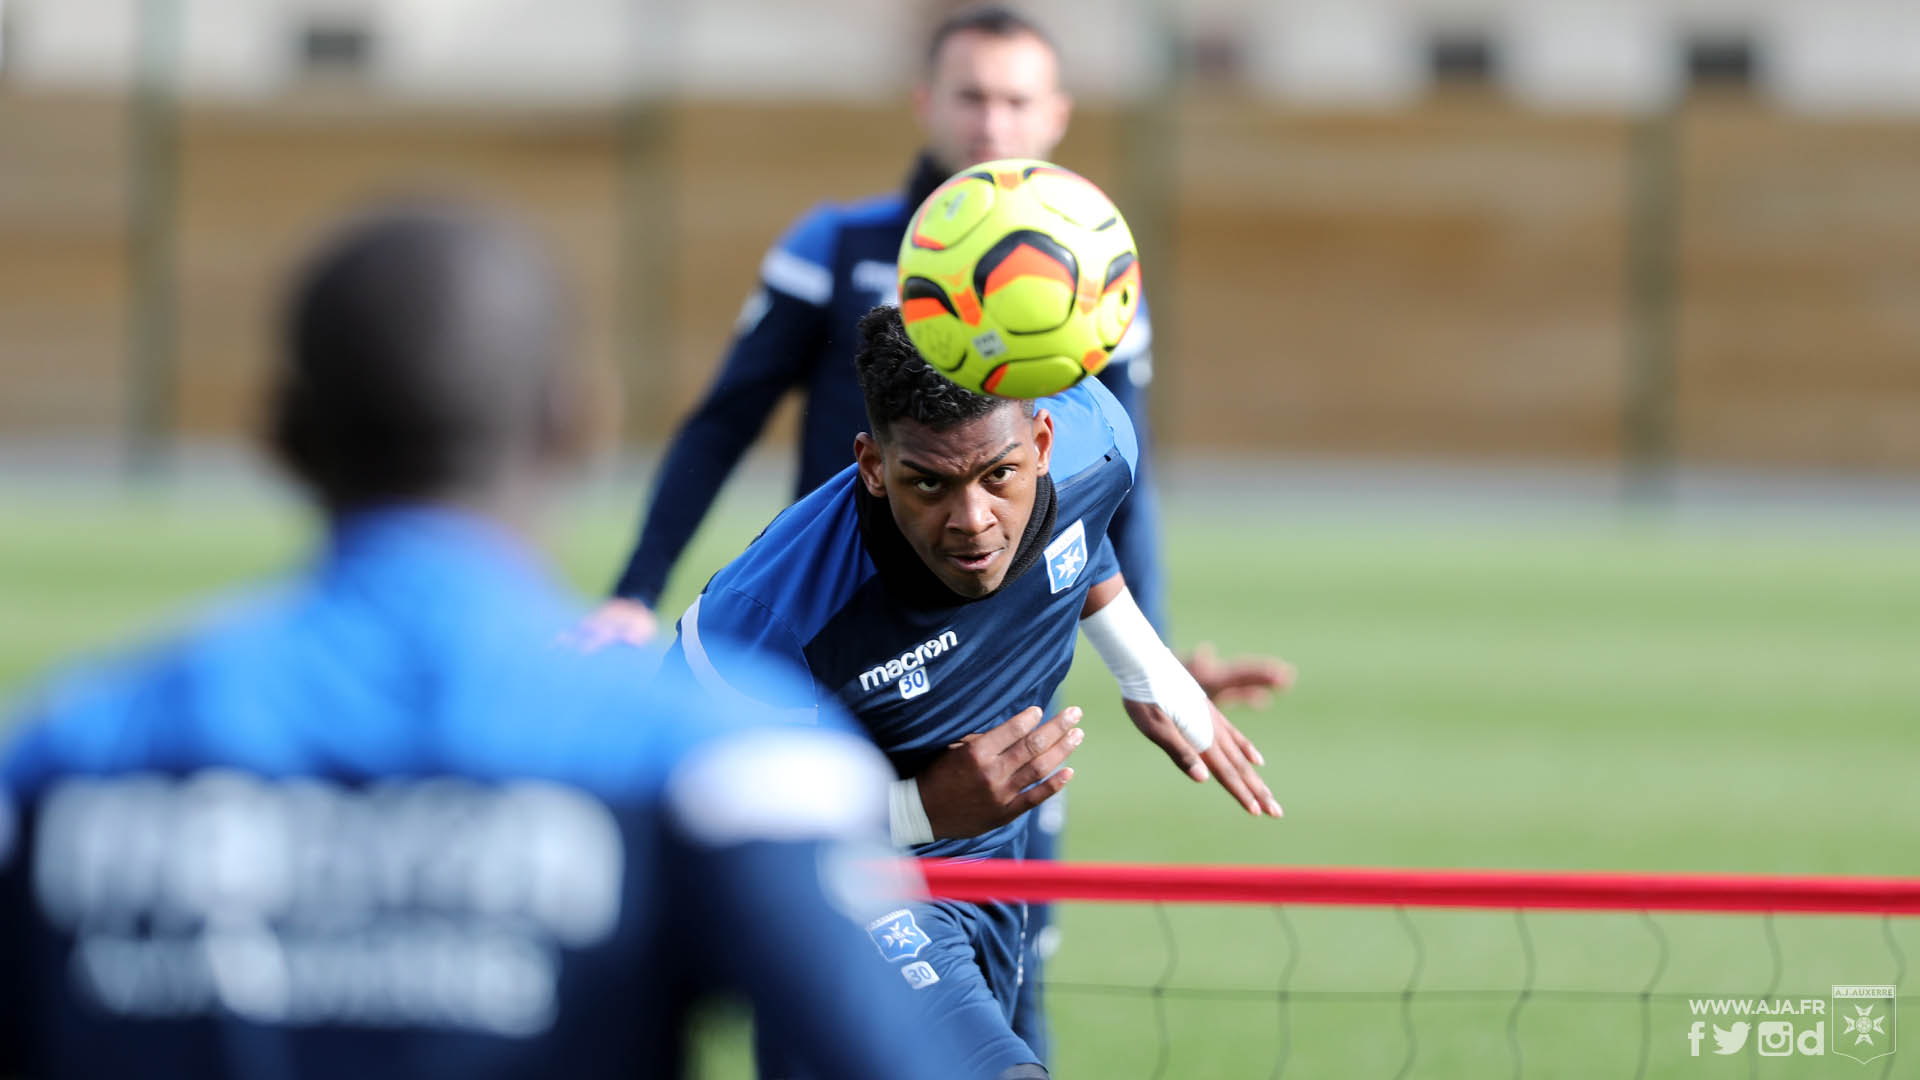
{"x":945,"y":579}
{"x":376,"y":823}
{"x":991,"y":90}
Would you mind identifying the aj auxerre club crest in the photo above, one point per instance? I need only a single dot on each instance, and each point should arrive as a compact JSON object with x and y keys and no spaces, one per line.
{"x":1067,"y":556}
{"x":1863,"y":1021}
{"x":898,"y":936}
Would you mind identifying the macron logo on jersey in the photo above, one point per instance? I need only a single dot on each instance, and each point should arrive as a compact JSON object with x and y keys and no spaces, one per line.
{"x":910,"y":664}
{"x":1066,"y":556}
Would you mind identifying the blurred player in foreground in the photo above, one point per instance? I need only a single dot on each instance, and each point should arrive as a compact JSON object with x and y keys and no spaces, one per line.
{"x":935,"y":590}
{"x":375,"y":823}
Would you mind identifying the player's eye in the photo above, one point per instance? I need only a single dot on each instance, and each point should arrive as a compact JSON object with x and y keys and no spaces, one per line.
{"x":926,"y":485}
{"x":1002,"y":474}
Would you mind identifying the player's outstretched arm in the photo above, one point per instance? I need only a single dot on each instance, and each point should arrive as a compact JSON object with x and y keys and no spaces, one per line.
{"x":1167,"y":704}
{"x":986,"y":780}
{"x":779,"y":336}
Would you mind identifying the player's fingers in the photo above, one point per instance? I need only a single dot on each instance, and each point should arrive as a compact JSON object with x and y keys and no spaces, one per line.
{"x":1046,"y":736}
{"x":1226,"y":770}
{"x":1157,"y":726}
{"x":1224,"y":727}
{"x":1010,"y":733}
{"x":596,"y":634}
{"x":1235,"y":765}
{"x":1044,"y":764}
{"x":1249,"y":775}
{"x":1263,"y":793}
{"x":1242,"y":680}
{"x":622,"y":620}
{"x":1039,"y":793}
{"x":1248,"y":750}
{"x":1240,"y":777}
{"x":1256,"y":673}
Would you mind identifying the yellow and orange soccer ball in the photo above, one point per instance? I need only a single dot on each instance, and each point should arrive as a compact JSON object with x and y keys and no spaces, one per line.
{"x":1018,"y":278}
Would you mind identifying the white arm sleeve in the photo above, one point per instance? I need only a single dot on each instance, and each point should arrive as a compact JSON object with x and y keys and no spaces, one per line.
{"x":1147,"y":670}
{"x":907,"y":815}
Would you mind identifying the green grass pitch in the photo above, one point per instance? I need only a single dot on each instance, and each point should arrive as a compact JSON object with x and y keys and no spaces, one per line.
{"x":1503,"y":691}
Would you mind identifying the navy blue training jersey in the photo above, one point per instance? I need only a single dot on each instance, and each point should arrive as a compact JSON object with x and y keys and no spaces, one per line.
{"x":381,"y":824}
{"x":797,"y":331}
{"x":832,"y":587}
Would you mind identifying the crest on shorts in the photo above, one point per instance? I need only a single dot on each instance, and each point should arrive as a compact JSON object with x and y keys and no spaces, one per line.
{"x":898,"y":936}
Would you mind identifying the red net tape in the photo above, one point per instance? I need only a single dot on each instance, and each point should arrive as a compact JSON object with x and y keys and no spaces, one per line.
{"x":1007,"y":879}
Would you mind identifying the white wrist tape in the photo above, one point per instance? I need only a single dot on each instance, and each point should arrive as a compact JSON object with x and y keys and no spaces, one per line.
{"x":907,"y":815}
{"x":1147,"y":670}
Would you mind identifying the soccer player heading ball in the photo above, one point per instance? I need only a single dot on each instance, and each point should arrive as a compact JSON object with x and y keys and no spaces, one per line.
{"x":935,"y":589}
{"x":1018,"y":278}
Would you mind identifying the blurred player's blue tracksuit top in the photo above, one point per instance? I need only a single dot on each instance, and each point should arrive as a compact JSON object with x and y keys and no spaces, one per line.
{"x":798,"y":331}
{"x":832,"y":587}
{"x":380,"y":824}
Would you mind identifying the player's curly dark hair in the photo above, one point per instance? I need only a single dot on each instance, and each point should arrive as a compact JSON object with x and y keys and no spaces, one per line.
{"x":899,"y":385}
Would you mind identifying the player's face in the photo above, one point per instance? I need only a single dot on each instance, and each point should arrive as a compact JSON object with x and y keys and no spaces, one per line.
{"x":962,"y":498}
{"x":992,"y":97}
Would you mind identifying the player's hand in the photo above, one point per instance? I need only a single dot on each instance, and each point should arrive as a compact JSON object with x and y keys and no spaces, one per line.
{"x":1243,"y":680}
{"x":1232,"y":760}
{"x":986,"y":780}
{"x":628,"y":622}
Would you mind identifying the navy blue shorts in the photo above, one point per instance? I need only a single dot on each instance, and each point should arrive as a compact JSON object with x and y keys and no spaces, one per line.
{"x":965,"y":963}
{"x":1045,"y":823}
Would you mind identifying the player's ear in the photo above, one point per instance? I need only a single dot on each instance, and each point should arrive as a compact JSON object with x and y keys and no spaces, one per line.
{"x":1043,"y":439}
{"x":873,"y":464}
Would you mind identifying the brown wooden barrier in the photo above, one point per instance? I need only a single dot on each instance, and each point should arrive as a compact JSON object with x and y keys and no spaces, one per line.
{"x":1445,"y":281}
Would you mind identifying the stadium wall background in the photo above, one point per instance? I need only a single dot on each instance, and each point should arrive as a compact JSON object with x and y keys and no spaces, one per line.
{"x":1444,"y":279}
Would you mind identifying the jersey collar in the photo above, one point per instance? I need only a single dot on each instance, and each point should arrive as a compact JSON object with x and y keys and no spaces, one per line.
{"x":434,"y":548}
{"x":909,"y":580}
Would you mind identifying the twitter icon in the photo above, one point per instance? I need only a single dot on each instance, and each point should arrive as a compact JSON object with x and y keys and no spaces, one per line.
{"x":1730,"y":1042}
